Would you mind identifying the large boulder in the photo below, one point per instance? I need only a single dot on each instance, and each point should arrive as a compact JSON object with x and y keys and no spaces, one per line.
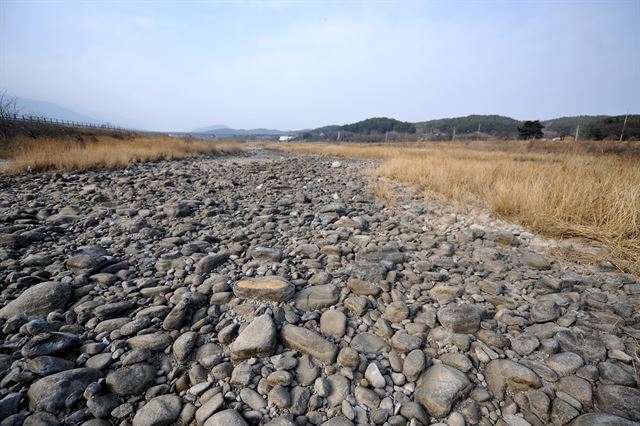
{"x":504,"y":374}
{"x":39,"y":300}
{"x":50,"y":392}
{"x":619,"y":400}
{"x":440,"y":387}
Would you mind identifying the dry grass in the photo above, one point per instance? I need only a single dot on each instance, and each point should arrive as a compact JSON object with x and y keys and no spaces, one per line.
{"x":567,"y":192}
{"x":64,"y":154}
{"x":384,"y":192}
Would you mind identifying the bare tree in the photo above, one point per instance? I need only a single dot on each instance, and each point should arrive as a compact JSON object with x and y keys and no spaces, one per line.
{"x":8,"y":112}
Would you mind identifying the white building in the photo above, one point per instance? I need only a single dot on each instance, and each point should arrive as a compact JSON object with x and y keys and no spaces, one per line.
{"x":286,"y":138}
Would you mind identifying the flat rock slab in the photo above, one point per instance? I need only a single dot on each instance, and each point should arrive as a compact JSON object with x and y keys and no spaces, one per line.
{"x":274,"y":289}
{"x":308,"y":342}
{"x":317,"y":297}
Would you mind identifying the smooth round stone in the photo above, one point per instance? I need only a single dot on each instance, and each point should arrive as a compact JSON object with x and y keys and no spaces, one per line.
{"x":274,"y":289}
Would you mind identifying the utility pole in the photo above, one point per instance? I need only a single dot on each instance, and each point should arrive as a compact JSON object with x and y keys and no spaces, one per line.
{"x":577,"y":131}
{"x":624,"y":125}
{"x":386,"y":136}
{"x":453,"y":138}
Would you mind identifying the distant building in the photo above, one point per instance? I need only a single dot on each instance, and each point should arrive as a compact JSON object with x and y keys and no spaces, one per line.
{"x":286,"y":138}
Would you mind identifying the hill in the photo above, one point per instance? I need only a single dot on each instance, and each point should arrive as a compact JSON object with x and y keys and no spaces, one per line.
{"x":494,"y":125}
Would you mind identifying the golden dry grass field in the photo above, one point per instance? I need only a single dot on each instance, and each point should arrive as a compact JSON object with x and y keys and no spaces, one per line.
{"x":558,"y":189}
{"x":64,"y":154}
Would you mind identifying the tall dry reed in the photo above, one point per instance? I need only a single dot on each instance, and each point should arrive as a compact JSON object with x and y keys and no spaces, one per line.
{"x":64,"y":154}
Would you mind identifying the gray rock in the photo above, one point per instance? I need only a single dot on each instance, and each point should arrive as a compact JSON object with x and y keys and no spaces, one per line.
{"x":46,"y":365}
{"x":39,"y":300}
{"x":333,"y":323}
{"x":504,"y":375}
{"x":131,"y":380}
{"x":459,"y":318}
{"x":226,"y":418}
{"x":317,"y":297}
{"x":50,"y":392}
{"x":211,"y":406}
{"x":257,"y":339}
{"x":374,"y":376}
{"x":601,"y":419}
{"x":153,"y":342}
{"x":210,"y":262}
{"x":414,"y":364}
{"x":308,"y":342}
{"x":439,"y":388}
{"x":619,"y":400}
{"x":160,"y":411}
{"x":588,"y":347}
{"x":369,"y":343}
{"x":49,"y":344}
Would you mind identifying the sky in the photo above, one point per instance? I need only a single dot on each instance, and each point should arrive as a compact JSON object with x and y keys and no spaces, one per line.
{"x":169,"y":65}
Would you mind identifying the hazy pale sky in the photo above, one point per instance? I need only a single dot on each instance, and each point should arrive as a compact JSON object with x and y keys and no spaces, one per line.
{"x":168,"y":65}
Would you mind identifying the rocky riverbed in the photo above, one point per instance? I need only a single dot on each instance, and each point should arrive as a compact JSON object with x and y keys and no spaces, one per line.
{"x":275,"y":289}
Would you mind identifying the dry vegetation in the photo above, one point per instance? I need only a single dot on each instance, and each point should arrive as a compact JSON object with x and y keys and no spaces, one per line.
{"x":587,"y":190}
{"x":80,"y":153}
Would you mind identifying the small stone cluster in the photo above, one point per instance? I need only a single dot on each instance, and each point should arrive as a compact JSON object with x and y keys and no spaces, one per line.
{"x":277,"y":290}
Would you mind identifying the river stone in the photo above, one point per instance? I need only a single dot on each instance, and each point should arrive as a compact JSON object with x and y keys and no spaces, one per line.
{"x":308,"y":342}
{"x":317,"y":297}
{"x":369,"y":343}
{"x":460,"y":318}
{"x":210,"y":262}
{"x":153,"y":342}
{"x":160,"y":411}
{"x":587,"y":346}
{"x":46,"y":365}
{"x":39,"y":300}
{"x":274,"y":289}
{"x":601,"y":419}
{"x":50,"y":392}
{"x":49,"y":344}
{"x":504,"y":374}
{"x":226,"y":418}
{"x":131,"y":380}
{"x":333,"y":323}
{"x":439,"y":388}
{"x":619,"y":400}
{"x":258,"y":339}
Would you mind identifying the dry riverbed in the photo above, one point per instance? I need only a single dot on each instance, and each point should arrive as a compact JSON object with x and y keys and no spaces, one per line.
{"x":276,"y":289}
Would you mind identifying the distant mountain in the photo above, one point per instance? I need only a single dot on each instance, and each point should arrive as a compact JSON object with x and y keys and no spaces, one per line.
{"x":224,"y":131}
{"x":50,"y":110}
{"x":211,"y":128}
